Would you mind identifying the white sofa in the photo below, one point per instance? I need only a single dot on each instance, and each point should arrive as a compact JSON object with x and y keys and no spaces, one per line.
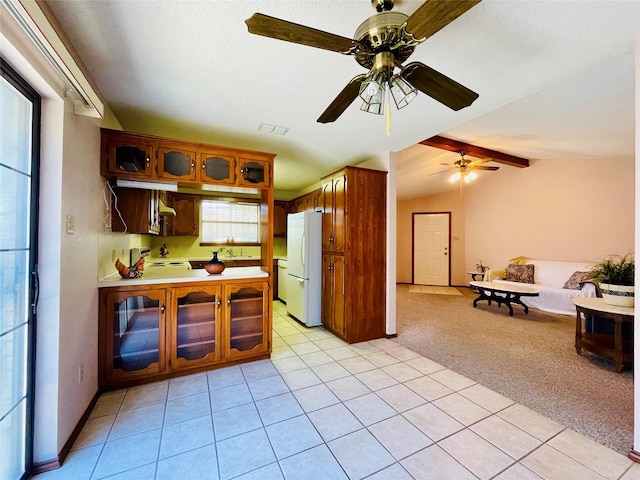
{"x":549,"y":278}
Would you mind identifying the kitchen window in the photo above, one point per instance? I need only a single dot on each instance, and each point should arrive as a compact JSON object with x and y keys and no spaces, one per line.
{"x":229,"y":222}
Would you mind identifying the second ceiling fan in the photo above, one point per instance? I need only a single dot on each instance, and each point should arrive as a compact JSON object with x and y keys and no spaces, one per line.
{"x":464,"y":168}
{"x":381,"y":44}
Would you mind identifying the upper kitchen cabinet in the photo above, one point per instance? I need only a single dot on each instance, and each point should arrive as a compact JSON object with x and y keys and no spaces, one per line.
{"x":127,"y":156}
{"x":254,"y":170}
{"x":143,"y":157}
{"x":334,"y":209}
{"x":177,"y":161}
{"x":217,"y":166}
{"x":187,"y":218}
{"x":280,"y":210}
{"x":309,"y":201}
{"x":138,"y":211}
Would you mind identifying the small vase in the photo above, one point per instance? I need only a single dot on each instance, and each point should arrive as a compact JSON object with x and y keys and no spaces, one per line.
{"x":215,"y":266}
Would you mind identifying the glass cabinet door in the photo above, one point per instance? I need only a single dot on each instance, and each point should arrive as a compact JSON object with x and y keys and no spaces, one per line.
{"x":253,"y":173}
{"x":130,"y":155}
{"x":195,"y":329}
{"x":217,"y":167}
{"x":176,"y":163}
{"x":247,"y":319}
{"x":135,"y":327}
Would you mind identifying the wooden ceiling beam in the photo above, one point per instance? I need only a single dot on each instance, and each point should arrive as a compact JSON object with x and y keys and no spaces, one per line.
{"x":474,"y":151}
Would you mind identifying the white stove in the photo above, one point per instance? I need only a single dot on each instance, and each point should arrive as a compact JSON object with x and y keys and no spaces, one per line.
{"x":136,"y":253}
{"x":168,"y":265}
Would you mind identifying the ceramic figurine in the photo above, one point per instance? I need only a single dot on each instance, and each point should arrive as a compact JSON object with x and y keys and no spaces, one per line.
{"x":134,"y":271}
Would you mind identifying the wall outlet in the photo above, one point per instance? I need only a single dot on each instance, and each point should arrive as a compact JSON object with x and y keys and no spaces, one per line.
{"x":80,"y":373}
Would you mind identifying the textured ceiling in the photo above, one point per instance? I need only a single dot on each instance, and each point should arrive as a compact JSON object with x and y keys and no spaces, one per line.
{"x":556,"y":80}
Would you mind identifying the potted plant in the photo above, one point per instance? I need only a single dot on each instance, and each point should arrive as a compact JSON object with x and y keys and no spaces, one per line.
{"x":615,"y":275}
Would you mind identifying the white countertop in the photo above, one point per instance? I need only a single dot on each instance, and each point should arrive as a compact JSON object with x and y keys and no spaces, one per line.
{"x":160,"y":275}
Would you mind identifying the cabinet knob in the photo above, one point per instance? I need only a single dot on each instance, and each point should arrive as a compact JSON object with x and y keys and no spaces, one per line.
{"x":203,"y":165}
{"x":193,"y":165}
{"x":162,"y":308}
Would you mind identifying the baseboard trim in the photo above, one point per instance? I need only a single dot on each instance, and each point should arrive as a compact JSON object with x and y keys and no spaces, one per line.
{"x":42,"y":467}
{"x":634,"y":455}
{"x":57,"y":462}
{"x":391,"y":335}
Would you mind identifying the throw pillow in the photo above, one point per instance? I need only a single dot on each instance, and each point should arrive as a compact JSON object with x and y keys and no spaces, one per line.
{"x":576,"y":280}
{"x":520,"y":273}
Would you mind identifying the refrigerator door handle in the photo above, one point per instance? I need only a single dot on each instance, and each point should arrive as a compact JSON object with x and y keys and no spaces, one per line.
{"x":302,"y":252}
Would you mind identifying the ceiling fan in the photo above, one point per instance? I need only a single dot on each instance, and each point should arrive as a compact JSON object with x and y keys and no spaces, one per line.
{"x":381,"y":44}
{"x":464,"y":168}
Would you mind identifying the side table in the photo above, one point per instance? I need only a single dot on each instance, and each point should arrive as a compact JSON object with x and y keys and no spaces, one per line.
{"x":612,"y":346}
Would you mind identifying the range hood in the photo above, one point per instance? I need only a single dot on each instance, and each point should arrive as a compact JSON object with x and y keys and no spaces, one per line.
{"x":166,"y":211}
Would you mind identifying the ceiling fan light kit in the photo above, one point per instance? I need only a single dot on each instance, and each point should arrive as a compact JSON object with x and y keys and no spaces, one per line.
{"x":381,"y":44}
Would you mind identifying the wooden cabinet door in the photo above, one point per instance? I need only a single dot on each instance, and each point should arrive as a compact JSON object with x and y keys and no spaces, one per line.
{"x":246,"y":320}
{"x":339,"y":202}
{"x":194,"y":326}
{"x":127,"y":156}
{"x":138,"y":209}
{"x":333,"y":294}
{"x":279,"y":219}
{"x":327,"y":216}
{"x":132,"y":328}
{"x":187,"y":218}
{"x":339,"y":280}
{"x":217,"y":167}
{"x":327,"y":292}
{"x":176,"y":162}
{"x":253,"y":172}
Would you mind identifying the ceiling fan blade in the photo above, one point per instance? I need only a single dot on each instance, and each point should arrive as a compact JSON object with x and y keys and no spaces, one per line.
{"x":434,"y":15}
{"x":439,"y":86}
{"x":481,"y":167}
{"x":441,"y":171}
{"x":266,"y":26}
{"x":478,"y":162}
{"x":342,"y":101}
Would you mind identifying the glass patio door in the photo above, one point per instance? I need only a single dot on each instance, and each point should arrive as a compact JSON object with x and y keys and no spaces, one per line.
{"x":19,"y":146}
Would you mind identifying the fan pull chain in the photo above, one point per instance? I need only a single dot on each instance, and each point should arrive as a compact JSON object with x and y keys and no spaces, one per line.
{"x":388,"y":119}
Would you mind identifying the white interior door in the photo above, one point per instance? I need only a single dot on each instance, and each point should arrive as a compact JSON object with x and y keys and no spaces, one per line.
{"x":431,"y":249}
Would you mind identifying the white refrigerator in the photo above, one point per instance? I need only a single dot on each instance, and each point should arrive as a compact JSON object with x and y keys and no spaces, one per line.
{"x":304,"y":267}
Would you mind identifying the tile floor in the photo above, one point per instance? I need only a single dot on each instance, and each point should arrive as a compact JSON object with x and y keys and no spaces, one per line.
{"x":322,"y":409}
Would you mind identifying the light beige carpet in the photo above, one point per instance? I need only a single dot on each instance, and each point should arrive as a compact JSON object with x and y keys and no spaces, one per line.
{"x":435,"y":290}
{"x":528,"y":358}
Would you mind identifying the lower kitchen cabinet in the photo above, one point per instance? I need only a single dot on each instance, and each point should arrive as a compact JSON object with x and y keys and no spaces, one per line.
{"x":159,"y":331}
{"x":195,"y":331}
{"x":132,"y":334}
{"x":248,"y":314}
{"x":333,"y":290}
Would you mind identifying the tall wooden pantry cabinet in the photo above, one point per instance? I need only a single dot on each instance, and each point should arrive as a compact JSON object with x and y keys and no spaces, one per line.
{"x":354,"y":202}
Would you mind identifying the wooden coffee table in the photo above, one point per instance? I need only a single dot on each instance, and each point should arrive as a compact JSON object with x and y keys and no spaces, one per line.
{"x":503,"y":293}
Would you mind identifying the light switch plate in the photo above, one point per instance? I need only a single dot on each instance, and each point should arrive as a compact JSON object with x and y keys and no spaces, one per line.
{"x":71,"y":224}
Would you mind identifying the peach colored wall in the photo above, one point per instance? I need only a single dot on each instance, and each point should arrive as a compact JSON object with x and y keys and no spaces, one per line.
{"x":447,"y":202}
{"x":574,"y":210}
